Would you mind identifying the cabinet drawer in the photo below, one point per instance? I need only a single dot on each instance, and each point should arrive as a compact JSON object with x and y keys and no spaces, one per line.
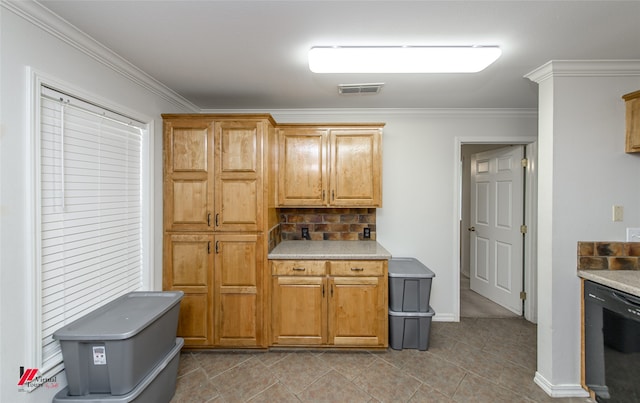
{"x":298,"y":267}
{"x":357,"y":268}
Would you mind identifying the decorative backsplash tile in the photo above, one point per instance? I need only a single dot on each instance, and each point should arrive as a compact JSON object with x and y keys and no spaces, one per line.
{"x":608,"y":255}
{"x":339,"y":224}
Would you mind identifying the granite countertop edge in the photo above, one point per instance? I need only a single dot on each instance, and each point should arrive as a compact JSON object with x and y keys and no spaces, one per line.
{"x":336,"y":250}
{"x":623,"y":280}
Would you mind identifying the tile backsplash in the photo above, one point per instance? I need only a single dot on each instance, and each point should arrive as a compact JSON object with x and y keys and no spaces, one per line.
{"x":328,"y":224}
{"x":608,"y":255}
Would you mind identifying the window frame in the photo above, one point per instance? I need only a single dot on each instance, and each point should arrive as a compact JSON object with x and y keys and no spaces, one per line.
{"x":33,"y":330}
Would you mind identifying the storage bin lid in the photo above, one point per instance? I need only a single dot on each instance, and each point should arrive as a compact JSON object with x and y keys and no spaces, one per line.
{"x":408,"y":267}
{"x":430,"y":313}
{"x":121,"y":318}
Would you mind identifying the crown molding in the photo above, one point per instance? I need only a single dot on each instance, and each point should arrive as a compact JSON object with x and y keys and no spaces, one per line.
{"x":585,"y":68}
{"x":43,"y":18}
{"x":283,"y":115}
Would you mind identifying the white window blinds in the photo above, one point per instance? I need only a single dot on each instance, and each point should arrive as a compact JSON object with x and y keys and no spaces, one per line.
{"x":90,"y":212}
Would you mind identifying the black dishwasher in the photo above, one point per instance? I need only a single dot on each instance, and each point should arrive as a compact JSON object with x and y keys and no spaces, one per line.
{"x":612,"y":343}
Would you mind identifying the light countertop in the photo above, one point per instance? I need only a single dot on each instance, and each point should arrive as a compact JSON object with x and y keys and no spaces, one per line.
{"x":336,"y":250}
{"x":624,"y":280}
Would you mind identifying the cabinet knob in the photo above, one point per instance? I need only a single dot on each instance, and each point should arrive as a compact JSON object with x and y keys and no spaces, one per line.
{"x":357,"y":269}
{"x":299,"y":269}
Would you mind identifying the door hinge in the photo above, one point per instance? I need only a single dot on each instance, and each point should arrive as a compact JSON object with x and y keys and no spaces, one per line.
{"x":524,"y":162}
{"x":523,"y":229}
{"x":523,"y":295}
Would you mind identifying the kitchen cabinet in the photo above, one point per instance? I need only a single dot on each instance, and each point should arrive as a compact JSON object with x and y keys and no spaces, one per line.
{"x":237,"y":288}
{"x":299,"y":303}
{"x":188,"y":174}
{"x":330,"y":166}
{"x":188,"y":267}
{"x":338,"y":303}
{"x":213,"y":177}
{"x":215,"y":204}
{"x":632,"y":104}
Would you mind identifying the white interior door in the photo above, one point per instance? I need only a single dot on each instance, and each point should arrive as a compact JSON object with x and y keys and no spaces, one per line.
{"x":497,"y":197}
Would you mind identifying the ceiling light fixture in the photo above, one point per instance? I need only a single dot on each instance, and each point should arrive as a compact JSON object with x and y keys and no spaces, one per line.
{"x":401,"y":59}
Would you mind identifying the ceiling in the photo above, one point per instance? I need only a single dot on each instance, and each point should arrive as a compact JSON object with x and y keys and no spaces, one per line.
{"x":244,"y":54}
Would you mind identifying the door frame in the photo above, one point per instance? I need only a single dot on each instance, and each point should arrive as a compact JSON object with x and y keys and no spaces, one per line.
{"x":531,"y":217}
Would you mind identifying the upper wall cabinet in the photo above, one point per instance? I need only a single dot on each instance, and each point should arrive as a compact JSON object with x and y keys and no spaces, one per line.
{"x":213,"y":173}
{"x":632,"y":102}
{"x":330,"y":166}
{"x":188,"y":174}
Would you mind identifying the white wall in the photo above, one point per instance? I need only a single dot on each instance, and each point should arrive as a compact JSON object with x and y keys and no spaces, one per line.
{"x":583,"y":172}
{"x":23,"y":45}
{"x":421,"y":161}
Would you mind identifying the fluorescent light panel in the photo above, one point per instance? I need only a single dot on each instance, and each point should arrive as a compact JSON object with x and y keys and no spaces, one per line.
{"x":401,"y":59}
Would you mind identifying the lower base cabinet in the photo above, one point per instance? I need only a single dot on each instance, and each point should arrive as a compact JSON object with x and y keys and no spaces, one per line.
{"x":221,"y":277}
{"x":329,"y":303}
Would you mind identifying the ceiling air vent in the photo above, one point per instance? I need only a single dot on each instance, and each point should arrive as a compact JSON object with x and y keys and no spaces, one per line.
{"x":372,"y":88}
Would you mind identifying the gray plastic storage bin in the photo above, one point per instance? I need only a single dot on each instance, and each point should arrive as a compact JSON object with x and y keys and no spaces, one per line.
{"x":158,"y":386}
{"x":111,"y":349}
{"x":409,"y":285}
{"x":410,"y":329}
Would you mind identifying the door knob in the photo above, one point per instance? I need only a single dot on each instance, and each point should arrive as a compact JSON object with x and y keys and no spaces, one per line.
{"x":472,"y":229}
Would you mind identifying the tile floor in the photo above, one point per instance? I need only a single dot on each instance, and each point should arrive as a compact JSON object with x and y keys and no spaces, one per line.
{"x":474,"y":360}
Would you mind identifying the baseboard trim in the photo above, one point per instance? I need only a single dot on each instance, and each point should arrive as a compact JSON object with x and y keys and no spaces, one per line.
{"x":566,"y":390}
{"x":444,"y":317}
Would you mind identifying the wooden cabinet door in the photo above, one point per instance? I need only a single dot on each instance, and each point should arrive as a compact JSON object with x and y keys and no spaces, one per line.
{"x":357,"y":316}
{"x":302,"y":166}
{"x":356,"y":168}
{"x":188,"y":174}
{"x":238,"y":292}
{"x":238,"y":175}
{"x":188,"y":267}
{"x":299,"y":310}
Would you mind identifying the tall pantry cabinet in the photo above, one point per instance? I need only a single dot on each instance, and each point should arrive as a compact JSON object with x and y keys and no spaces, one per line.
{"x":215,"y":220}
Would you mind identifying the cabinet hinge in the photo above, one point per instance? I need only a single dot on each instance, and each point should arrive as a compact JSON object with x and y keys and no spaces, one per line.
{"x":523,"y":229}
{"x":524,"y":162}
{"x":523,"y":295}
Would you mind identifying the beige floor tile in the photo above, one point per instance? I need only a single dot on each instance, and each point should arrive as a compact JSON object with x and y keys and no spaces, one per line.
{"x":397,"y":358}
{"x":425,"y":394}
{"x":475,"y":360}
{"x":187,"y":364}
{"x":434,"y":372}
{"x":349,"y":364}
{"x":477,"y":389}
{"x":298,"y":370}
{"x":193,"y":380}
{"x":244,"y":381}
{"x":275,"y":393}
{"x":467,"y":331}
{"x":214,"y":363}
{"x":272,"y":357}
{"x":386,"y":383}
{"x":333,"y":387}
{"x":201,"y":394}
{"x":522,"y":355}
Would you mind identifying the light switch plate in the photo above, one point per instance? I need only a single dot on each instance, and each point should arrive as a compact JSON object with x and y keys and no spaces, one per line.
{"x":618,"y":213}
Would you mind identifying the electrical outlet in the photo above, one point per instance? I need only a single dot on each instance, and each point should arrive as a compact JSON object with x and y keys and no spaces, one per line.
{"x":633,"y":234}
{"x":618,"y":213}
{"x":366,"y":233}
{"x":305,"y":233}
